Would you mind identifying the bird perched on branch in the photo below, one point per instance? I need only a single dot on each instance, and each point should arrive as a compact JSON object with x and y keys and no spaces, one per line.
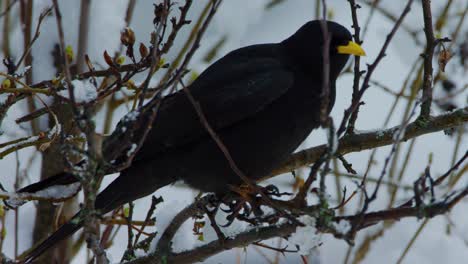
{"x":261,"y":101}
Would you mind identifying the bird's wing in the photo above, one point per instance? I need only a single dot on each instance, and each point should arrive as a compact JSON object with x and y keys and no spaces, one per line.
{"x":228,"y":92}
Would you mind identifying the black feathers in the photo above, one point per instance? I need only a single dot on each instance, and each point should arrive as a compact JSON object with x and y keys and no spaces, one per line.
{"x":261,"y":100}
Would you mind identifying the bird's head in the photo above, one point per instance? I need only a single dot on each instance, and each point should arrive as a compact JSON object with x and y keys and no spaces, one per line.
{"x":307,"y":45}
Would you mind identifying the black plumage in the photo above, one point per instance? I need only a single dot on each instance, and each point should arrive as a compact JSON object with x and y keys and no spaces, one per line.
{"x":262,"y":101}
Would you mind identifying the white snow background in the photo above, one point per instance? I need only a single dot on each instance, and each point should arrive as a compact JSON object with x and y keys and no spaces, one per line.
{"x":246,"y":22}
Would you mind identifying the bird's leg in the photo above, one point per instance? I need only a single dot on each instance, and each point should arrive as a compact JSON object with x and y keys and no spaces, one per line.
{"x":245,"y":192}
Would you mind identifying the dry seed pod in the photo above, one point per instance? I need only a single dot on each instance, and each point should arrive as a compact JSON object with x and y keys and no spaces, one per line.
{"x":143,"y":50}
{"x":108,"y":59}
{"x":444,"y":57}
{"x":127,"y":37}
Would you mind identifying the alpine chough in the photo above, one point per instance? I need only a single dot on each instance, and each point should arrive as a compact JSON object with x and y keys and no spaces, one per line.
{"x":262,"y":101}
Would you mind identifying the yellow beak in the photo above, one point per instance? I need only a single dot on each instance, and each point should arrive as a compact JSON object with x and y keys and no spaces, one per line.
{"x":352,"y":48}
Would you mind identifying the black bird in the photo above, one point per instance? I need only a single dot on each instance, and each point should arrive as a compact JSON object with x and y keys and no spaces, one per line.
{"x":262,"y":101}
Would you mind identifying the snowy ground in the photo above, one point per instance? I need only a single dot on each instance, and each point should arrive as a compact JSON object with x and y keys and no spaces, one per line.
{"x":246,"y":22}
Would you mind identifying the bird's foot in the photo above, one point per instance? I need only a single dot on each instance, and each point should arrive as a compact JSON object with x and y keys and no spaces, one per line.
{"x":238,"y":208}
{"x":245,"y":204}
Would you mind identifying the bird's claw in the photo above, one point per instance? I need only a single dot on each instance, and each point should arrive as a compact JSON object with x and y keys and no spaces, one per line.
{"x":272,"y":190}
{"x":245,"y":201}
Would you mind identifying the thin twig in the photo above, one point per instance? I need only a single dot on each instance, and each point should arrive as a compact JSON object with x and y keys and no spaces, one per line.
{"x":357,"y":63}
{"x":83,"y":34}
{"x":7,"y":9}
{"x":428,"y":54}
{"x":371,"y":68}
{"x":325,"y":94}
{"x":155,"y":54}
{"x":43,"y":15}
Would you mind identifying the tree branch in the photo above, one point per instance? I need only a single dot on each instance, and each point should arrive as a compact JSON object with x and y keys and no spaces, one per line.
{"x":212,"y":248}
{"x":263,"y":233}
{"x":374,"y":139}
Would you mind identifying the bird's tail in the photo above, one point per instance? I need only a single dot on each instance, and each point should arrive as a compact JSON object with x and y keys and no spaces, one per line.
{"x":104,"y":204}
{"x":63,"y":178}
{"x":63,"y":232}
{"x":122,"y":190}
